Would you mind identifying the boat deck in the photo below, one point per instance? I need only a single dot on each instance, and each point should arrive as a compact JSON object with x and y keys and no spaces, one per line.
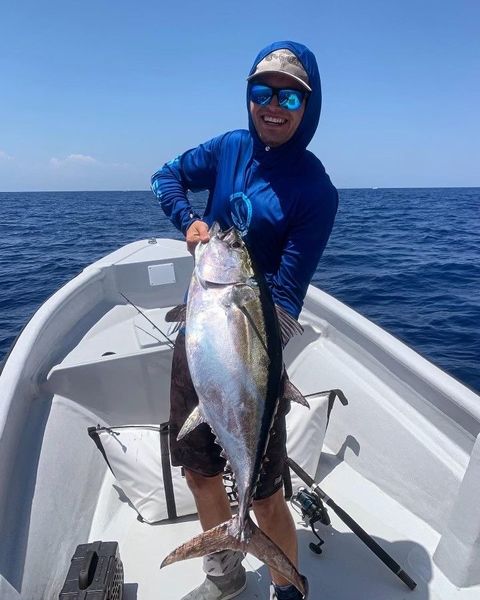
{"x":345,"y":566}
{"x":360,"y":435}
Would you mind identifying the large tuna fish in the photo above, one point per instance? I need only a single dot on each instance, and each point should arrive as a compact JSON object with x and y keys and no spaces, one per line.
{"x":234,"y":350}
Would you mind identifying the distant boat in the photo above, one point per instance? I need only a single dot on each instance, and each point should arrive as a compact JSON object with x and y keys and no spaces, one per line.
{"x":403,"y":458}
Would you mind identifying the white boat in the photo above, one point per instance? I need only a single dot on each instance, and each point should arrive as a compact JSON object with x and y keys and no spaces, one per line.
{"x":402,"y":459}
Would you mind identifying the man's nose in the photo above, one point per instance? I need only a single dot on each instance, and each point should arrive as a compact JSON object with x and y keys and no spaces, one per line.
{"x":274,"y":100}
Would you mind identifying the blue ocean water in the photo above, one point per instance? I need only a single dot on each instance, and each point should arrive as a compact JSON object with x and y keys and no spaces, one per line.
{"x":408,"y":259}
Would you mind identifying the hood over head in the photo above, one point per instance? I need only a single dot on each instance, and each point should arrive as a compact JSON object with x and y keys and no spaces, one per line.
{"x":309,"y":123}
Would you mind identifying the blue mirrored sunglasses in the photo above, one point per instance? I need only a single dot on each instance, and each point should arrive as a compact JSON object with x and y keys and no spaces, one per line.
{"x":263,"y":94}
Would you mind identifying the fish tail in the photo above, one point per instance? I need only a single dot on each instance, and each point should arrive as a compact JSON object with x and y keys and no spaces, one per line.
{"x":227,"y":536}
{"x":214,"y":540}
{"x":265,"y":549}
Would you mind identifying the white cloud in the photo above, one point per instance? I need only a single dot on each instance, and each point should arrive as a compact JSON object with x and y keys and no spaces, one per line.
{"x":5,"y":156}
{"x":73,"y":159}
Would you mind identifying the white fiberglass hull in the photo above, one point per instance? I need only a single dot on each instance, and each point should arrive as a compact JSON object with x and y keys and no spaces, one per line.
{"x":403,"y":458}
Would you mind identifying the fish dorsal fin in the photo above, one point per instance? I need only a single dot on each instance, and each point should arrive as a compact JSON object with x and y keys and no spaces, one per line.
{"x":290,"y":392}
{"x":176,"y":314}
{"x":288,"y":325}
{"x":192,"y":421}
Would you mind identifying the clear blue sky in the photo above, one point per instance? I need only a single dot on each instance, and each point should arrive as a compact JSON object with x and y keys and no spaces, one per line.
{"x":97,"y":94}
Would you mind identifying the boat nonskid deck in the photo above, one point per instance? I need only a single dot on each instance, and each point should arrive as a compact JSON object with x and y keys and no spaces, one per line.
{"x":345,"y":566}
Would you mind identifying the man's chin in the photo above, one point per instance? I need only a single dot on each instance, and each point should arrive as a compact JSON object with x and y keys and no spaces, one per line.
{"x":273,"y":142}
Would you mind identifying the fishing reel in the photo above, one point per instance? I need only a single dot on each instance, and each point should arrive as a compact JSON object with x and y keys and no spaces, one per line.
{"x":313,"y":511}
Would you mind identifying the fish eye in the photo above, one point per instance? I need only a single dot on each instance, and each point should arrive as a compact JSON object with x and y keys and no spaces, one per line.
{"x":236,"y":245}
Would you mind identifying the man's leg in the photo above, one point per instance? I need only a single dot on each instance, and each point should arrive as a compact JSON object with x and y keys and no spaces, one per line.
{"x":275,"y":520}
{"x":210,"y":497}
{"x":225,"y":575}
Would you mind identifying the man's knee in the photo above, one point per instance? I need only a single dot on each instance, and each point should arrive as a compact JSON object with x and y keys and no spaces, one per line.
{"x":201,"y":484}
{"x":266,"y":508}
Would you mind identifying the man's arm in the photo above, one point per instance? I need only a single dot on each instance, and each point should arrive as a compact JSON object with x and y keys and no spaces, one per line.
{"x":195,"y":170}
{"x":304,"y":246}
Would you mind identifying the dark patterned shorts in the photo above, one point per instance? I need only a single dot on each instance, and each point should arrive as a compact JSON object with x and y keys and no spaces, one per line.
{"x":198,"y":451}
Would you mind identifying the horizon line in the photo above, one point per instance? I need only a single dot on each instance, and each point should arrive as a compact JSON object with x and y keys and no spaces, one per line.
{"x":415,"y":187}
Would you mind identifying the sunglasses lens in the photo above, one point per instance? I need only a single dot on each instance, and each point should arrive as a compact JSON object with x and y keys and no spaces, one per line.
{"x":290,"y":99}
{"x":261,"y":94}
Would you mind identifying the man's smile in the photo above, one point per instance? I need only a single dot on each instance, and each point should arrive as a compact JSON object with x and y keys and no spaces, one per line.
{"x":273,"y":120}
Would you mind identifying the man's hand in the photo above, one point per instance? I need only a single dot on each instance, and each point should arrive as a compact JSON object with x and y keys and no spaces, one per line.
{"x":197,"y":232}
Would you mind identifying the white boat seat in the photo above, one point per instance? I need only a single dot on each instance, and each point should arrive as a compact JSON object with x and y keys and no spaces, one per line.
{"x":123,"y":389}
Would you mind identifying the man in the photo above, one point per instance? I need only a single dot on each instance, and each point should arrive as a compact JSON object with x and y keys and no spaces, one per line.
{"x":276,"y":193}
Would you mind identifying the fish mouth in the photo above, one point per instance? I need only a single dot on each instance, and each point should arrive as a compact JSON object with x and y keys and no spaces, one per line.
{"x":231,"y":237}
{"x":222,"y":234}
{"x":217,"y":231}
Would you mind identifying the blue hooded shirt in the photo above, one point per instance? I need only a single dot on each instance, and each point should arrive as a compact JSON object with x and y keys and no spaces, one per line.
{"x":280,"y":199}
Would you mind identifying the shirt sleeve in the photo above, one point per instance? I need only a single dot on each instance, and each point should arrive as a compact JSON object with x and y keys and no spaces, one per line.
{"x":195,"y":170}
{"x":303,"y":248}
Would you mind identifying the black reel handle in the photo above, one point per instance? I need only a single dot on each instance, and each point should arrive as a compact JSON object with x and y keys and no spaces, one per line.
{"x":354,"y":526}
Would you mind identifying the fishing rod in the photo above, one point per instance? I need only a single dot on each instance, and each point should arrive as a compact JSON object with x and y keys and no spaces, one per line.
{"x":169,"y":341}
{"x":353,"y":525}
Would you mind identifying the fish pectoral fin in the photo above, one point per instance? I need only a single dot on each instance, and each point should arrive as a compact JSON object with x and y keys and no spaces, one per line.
{"x":288,"y":325}
{"x":226,"y":536}
{"x":193,"y":420}
{"x":243,"y":293}
{"x":290,"y":392}
{"x":246,"y":299}
{"x":251,"y":321}
{"x":176,"y":314}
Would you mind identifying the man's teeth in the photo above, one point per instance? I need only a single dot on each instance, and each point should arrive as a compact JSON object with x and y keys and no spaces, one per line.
{"x":274,"y":120}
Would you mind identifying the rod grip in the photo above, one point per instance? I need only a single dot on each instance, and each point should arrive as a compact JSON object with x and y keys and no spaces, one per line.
{"x":372,"y":544}
{"x":408,"y":581}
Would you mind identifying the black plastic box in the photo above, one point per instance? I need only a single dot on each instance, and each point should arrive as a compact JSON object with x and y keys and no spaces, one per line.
{"x":96,"y":573}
